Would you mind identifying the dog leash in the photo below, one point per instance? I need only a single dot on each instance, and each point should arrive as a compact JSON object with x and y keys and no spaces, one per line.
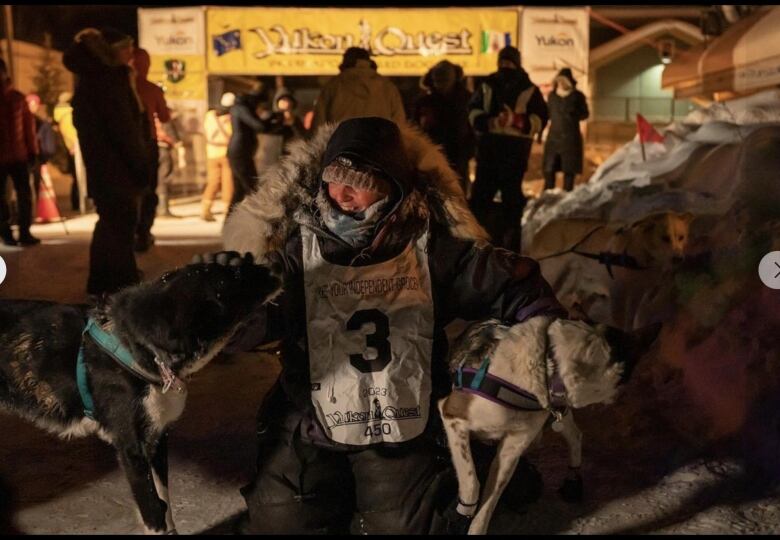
{"x":111,"y":346}
{"x":607,"y":258}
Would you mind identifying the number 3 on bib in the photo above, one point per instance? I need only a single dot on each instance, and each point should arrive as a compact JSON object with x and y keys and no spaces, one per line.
{"x":377,"y":340}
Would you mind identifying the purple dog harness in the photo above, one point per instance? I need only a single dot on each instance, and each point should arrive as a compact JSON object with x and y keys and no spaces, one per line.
{"x":497,"y":390}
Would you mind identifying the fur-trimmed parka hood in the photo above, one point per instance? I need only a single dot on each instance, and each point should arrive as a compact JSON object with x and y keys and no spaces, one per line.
{"x":287,"y":191}
{"x":90,"y":54}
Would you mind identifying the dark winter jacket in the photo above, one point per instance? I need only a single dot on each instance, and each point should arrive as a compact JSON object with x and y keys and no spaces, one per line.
{"x":512,"y":88}
{"x":470,"y":279}
{"x":565,"y":138}
{"x":358,"y":91}
{"x":110,"y":121}
{"x":445,"y":119}
{"x":246,"y":125}
{"x":18,"y":142}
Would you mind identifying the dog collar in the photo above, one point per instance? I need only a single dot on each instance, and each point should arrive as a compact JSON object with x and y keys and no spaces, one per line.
{"x":111,"y":346}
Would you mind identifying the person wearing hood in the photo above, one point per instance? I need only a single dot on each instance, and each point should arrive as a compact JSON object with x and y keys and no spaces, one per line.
{"x":63,"y":117}
{"x":113,"y":132}
{"x":47,"y":143}
{"x":358,"y":90}
{"x":443,"y":115}
{"x":246,"y":124}
{"x":507,"y":111}
{"x":292,"y":125}
{"x":563,"y":148}
{"x":218,"y":129}
{"x":286,"y":127}
{"x":157,"y":110}
{"x":18,"y":151}
{"x":369,"y":228}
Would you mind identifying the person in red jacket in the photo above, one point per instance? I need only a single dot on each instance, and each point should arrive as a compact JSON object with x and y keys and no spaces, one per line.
{"x":18,"y":148}
{"x":156,"y":108}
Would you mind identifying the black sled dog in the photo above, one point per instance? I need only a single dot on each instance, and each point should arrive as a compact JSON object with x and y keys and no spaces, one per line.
{"x":118,"y":370}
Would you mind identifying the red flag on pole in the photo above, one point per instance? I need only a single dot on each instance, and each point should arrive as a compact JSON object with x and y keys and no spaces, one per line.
{"x":646,"y":131}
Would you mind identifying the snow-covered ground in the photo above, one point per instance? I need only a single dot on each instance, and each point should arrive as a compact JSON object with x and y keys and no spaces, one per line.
{"x":643,"y":474}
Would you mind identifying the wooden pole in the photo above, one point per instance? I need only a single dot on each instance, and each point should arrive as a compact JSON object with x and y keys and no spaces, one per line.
{"x":9,"y":34}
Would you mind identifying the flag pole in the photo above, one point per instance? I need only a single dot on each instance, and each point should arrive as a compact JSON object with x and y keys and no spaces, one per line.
{"x":641,"y":139}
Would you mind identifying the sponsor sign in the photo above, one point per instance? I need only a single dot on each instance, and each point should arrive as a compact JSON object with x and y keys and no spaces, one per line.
{"x":174,"y":38}
{"x":552,"y":39}
{"x":177,"y":31}
{"x":287,"y":41}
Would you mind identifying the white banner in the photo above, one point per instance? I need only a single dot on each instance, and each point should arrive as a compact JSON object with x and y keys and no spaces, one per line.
{"x":172,"y":31}
{"x":552,"y":39}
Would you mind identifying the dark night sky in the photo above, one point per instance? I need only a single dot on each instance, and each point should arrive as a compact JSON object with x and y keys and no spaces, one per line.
{"x":64,"y":21}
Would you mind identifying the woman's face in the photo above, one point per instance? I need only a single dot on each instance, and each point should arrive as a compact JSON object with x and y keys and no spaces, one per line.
{"x":350,"y":199}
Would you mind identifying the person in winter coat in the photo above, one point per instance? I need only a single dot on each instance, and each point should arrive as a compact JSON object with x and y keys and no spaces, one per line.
{"x":243,"y":143}
{"x":171,"y":149}
{"x":443,"y":115}
{"x":45,"y":136}
{"x":18,"y":150}
{"x":218,"y":128}
{"x":287,"y":127}
{"x":113,"y":134}
{"x":156,"y":110}
{"x":507,"y":111}
{"x":379,"y":253}
{"x":292,"y":125}
{"x":358,"y":90}
{"x":63,"y":117}
{"x":563,"y":147}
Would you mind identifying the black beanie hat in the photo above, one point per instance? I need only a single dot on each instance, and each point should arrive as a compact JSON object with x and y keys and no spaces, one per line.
{"x":510,"y":53}
{"x":374,"y":142}
{"x":352,"y":55}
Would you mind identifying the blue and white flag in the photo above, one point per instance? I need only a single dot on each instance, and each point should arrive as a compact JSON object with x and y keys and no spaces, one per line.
{"x":229,"y":41}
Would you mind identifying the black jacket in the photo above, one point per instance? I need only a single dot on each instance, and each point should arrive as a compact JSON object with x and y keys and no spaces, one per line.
{"x":471,"y":279}
{"x":246,"y":125}
{"x":564,"y":138}
{"x":110,"y":122}
{"x":445,"y":119}
{"x":511,"y":88}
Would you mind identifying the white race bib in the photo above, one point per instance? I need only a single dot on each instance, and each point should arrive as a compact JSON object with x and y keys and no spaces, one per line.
{"x":370,"y":336}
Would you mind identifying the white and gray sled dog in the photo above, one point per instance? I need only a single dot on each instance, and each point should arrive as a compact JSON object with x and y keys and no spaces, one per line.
{"x":509,"y":381}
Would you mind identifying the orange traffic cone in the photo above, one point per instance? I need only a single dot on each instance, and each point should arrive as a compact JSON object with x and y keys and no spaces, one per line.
{"x":46,"y":208}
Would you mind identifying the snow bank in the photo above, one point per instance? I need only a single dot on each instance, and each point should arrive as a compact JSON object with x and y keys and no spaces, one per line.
{"x":622,"y":187}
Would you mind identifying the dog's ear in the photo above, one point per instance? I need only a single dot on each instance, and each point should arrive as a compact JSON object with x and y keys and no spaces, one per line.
{"x":628,"y":347}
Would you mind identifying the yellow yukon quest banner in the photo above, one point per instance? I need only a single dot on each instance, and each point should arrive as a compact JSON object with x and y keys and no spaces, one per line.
{"x":288,"y":41}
